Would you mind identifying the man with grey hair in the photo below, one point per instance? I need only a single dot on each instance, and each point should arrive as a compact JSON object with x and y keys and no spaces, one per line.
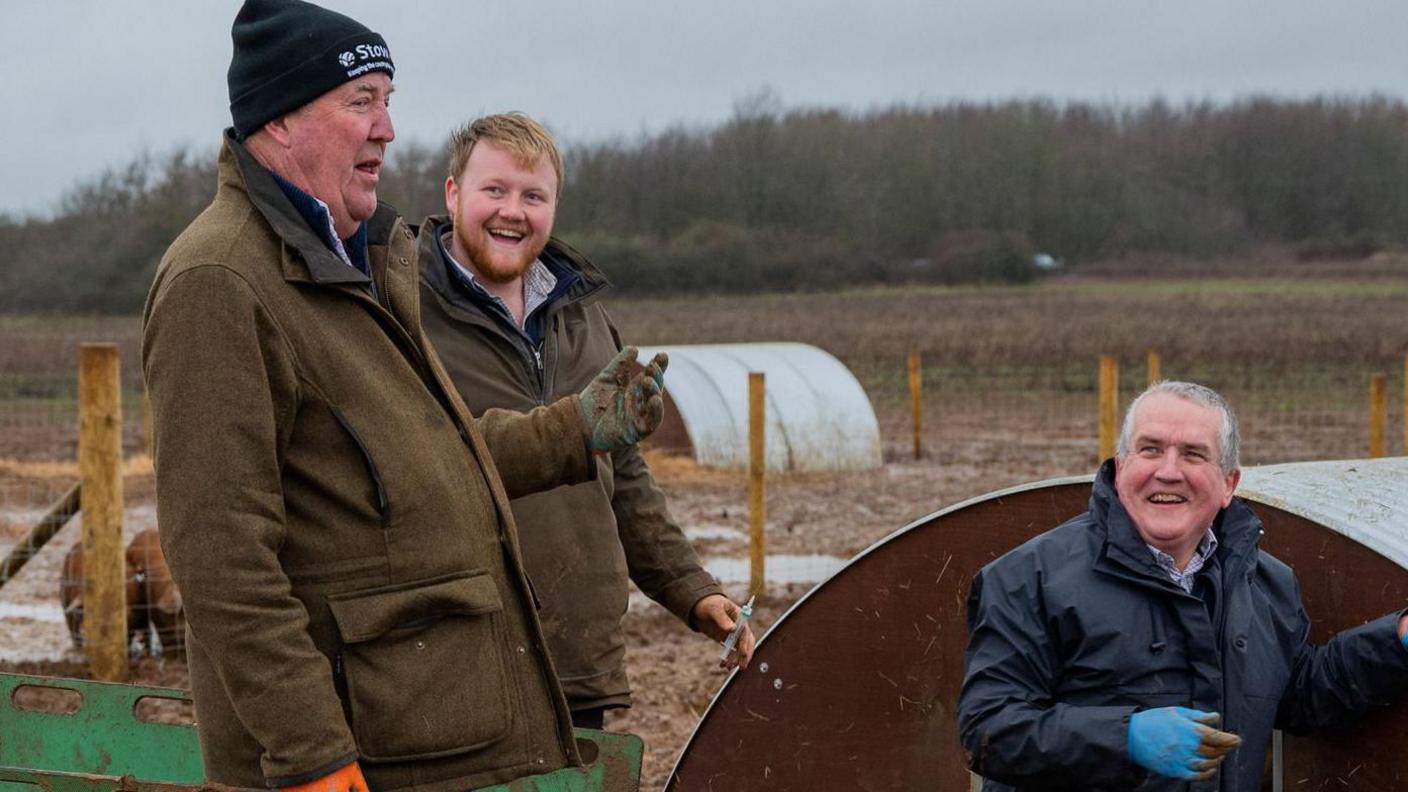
{"x":1149,"y":641}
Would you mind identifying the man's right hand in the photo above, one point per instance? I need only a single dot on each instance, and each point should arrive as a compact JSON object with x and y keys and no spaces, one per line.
{"x":1179,"y":742}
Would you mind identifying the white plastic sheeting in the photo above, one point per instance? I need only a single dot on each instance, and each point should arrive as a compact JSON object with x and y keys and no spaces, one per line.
{"x":817,"y":414}
{"x":1364,"y":499}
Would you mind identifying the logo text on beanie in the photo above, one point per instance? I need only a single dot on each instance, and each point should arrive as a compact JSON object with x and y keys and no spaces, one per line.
{"x":368,"y":51}
{"x":373,"y":57}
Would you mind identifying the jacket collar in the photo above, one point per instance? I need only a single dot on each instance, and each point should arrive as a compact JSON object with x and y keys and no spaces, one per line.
{"x":435,"y":269}
{"x":1236,"y":527}
{"x":314,"y":262}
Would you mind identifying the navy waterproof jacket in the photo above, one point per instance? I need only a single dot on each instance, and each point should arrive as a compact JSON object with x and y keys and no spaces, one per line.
{"x":1076,"y":630}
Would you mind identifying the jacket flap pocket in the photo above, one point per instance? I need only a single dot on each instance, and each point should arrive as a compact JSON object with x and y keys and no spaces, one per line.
{"x":364,"y":615}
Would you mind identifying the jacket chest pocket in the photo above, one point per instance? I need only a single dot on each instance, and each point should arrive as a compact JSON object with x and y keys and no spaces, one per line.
{"x":379,"y":499}
{"x":424,"y":667}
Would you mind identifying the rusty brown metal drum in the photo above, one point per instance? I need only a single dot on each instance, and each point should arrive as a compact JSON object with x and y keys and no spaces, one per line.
{"x":855,"y":687}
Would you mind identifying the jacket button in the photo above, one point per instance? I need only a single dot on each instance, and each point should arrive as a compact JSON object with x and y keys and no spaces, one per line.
{"x":1241,"y":642}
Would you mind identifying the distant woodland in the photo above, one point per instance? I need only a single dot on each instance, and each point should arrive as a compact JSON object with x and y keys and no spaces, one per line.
{"x":780,"y":199}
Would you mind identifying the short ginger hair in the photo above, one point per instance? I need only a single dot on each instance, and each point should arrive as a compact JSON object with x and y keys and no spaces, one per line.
{"x":528,"y":141}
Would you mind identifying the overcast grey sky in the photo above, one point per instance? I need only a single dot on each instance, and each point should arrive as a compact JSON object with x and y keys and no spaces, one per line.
{"x":88,"y":85}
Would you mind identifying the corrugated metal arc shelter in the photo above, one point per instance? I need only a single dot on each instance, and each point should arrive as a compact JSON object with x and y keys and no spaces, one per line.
{"x":817,"y":415}
{"x":856,"y":686}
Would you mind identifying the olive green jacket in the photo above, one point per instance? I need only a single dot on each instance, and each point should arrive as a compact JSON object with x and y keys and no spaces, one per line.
{"x":331,"y":513}
{"x":579,"y":542}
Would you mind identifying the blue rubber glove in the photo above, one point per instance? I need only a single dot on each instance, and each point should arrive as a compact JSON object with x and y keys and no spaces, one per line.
{"x":1179,"y":742}
{"x":624,"y":403}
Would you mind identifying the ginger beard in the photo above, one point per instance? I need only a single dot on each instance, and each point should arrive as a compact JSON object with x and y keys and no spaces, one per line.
{"x":494,"y":252}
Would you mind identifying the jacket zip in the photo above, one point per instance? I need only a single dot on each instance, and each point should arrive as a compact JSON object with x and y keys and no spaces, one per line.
{"x":539,"y":375}
{"x":534,"y":360}
{"x":533,"y":357}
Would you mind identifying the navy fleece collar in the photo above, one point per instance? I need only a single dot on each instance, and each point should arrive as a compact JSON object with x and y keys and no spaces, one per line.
{"x":316,"y":214}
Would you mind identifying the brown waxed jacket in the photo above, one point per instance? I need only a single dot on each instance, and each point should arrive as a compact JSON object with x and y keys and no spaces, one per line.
{"x":330,"y":511}
{"x":579,"y":542}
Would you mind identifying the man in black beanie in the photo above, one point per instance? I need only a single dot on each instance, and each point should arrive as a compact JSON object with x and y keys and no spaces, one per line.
{"x":358,"y":613}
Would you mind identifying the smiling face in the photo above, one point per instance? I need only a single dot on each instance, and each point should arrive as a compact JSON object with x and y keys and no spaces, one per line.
{"x":334,"y":147}
{"x":503,"y":212}
{"x":1170,"y":480}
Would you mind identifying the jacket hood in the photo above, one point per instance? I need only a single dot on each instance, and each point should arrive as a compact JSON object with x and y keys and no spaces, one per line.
{"x":1237,"y":527}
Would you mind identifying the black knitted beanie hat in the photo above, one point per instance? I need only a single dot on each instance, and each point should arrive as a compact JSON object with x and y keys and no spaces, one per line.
{"x":288,"y":53}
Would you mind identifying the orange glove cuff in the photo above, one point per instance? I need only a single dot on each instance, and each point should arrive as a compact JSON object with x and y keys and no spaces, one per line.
{"x":347,"y":778}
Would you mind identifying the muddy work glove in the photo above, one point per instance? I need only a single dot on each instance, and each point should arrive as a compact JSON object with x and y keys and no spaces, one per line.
{"x":1179,"y":742}
{"x":624,"y":403}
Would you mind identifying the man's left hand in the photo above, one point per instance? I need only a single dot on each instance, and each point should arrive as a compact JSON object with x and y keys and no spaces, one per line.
{"x":715,"y":616}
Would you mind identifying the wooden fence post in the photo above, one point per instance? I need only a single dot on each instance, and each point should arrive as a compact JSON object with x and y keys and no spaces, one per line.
{"x":757,"y":471}
{"x":1151,"y":367}
{"x":1109,"y":404}
{"x":1378,"y":416}
{"x":916,"y":379}
{"x":100,"y":472}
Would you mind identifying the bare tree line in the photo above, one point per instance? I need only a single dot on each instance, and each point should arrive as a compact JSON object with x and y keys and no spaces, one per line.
{"x":775,"y":199}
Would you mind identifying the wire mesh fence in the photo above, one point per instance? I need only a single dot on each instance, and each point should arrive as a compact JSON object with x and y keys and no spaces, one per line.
{"x":1019,"y":421}
{"x":1025,"y":423}
{"x":39,"y":384}
{"x":39,"y":431}
{"x":1008,"y":423}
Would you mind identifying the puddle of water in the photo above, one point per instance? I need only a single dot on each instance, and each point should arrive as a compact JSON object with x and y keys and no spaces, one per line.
{"x":32,"y":624}
{"x":714,"y":532}
{"x":23,"y":516}
{"x":36,"y":654}
{"x":43,"y":636}
{"x":47,"y":612}
{"x":778,"y":569}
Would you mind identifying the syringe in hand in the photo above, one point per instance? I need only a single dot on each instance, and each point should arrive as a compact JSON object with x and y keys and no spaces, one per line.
{"x":732,"y":638}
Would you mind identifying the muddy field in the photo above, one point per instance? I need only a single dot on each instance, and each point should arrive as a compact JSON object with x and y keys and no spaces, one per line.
{"x":674,"y":671}
{"x":1009,"y":398}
